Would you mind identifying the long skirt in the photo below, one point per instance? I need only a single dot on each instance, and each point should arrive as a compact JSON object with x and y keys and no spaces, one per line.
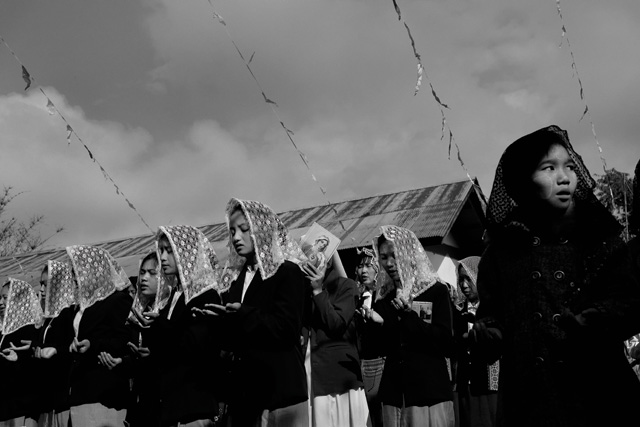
{"x":97,"y":415}
{"x":439,"y":415}
{"x":341,"y":410}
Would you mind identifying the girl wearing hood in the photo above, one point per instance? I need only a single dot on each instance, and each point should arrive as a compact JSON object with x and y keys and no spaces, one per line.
{"x":558,"y":296}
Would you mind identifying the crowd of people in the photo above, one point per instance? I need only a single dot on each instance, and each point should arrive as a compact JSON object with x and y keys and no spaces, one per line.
{"x":532,"y":334}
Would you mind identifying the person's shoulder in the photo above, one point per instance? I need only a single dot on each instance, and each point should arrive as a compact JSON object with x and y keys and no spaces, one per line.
{"x":289,"y":267}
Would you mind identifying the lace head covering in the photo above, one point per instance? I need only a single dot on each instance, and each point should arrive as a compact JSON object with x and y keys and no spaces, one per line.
{"x":98,"y":274}
{"x":470,"y":266}
{"x":62,"y":289}
{"x":270,"y":237}
{"x":22,"y":307}
{"x":196,"y":261}
{"x":507,"y":189}
{"x":413,"y":265}
{"x":143,"y":304}
{"x":634,"y":221}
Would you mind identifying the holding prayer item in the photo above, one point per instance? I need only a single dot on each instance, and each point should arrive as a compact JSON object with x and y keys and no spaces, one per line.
{"x":21,"y":315}
{"x":337,"y":393}
{"x":414,"y":309}
{"x":262,"y":315}
{"x":558,"y":295}
{"x":186,"y":347}
{"x":98,"y":394}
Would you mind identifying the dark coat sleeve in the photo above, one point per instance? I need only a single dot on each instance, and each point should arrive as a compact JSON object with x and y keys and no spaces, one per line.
{"x":111,"y":335}
{"x":336,"y":315}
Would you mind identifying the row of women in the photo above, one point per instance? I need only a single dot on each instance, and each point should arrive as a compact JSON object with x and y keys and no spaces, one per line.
{"x":272,"y":340}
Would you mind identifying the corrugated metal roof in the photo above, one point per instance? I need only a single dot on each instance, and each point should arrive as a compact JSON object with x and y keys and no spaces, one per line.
{"x":429,"y":212}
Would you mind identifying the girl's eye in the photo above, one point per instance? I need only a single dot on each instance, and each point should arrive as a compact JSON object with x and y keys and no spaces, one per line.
{"x":571,"y":167}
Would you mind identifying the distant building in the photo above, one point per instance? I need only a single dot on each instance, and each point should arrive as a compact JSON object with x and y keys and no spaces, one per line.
{"x":448,"y":219}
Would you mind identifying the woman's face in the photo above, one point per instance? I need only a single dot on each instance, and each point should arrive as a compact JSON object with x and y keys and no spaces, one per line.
{"x":148,"y":278}
{"x":4,"y":292}
{"x":465,"y":285}
{"x":387,"y":260}
{"x":167,"y":259}
{"x":241,"y":235}
{"x":44,"y":282}
{"x":365,"y":272}
{"x":555,"y":180}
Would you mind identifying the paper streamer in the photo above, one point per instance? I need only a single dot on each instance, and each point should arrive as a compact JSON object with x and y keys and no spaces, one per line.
{"x":52,"y":110}
{"x":441,"y":105}
{"x":273,"y":105}
{"x":587,"y":111}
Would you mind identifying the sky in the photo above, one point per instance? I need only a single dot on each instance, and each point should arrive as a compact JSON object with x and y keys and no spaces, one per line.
{"x":158,"y":93}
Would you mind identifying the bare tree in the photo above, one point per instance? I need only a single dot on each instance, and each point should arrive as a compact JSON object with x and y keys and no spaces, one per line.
{"x":615,"y":191}
{"x":17,"y":237}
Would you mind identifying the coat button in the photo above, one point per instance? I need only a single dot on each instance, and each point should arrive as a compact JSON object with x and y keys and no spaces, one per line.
{"x":555,"y":318}
{"x":572,"y":284}
{"x":536,"y":275}
{"x":537,"y":315}
{"x":563,"y":240}
{"x":539,"y":361}
{"x":536,"y":241}
{"x":558,"y":275}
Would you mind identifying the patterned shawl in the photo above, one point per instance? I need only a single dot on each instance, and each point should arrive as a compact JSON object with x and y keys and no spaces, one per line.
{"x":62,"y":290}
{"x":502,"y":203}
{"x":197,"y":263}
{"x":98,"y":274}
{"x":22,"y":308}
{"x":270,"y":238}
{"x":142,"y":304}
{"x":414,"y":267}
{"x":470,"y":266}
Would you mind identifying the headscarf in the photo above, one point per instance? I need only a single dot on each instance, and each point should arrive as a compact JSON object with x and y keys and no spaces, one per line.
{"x":414,"y":267}
{"x":62,"y":290}
{"x":470,"y":266}
{"x":22,"y":308}
{"x":163,"y":291}
{"x":634,"y":221}
{"x":270,"y":237}
{"x":502,"y":201}
{"x":367,"y":254}
{"x":98,"y":274}
{"x":196,"y":261}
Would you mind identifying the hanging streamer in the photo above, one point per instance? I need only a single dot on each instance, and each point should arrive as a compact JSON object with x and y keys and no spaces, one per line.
{"x":441,"y":105}
{"x":52,"y":109}
{"x":586,"y":112}
{"x":273,"y":105}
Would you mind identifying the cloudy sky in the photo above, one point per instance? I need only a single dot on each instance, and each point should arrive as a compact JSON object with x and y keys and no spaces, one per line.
{"x":158,"y":93}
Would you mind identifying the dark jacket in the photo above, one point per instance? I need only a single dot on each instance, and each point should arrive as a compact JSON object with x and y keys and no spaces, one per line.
{"x":186,"y":352}
{"x":16,"y":392}
{"x":53,"y":374}
{"x":103,"y":324}
{"x":415,"y":372}
{"x":335,"y":365}
{"x":553,"y":371}
{"x":268,"y":366}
